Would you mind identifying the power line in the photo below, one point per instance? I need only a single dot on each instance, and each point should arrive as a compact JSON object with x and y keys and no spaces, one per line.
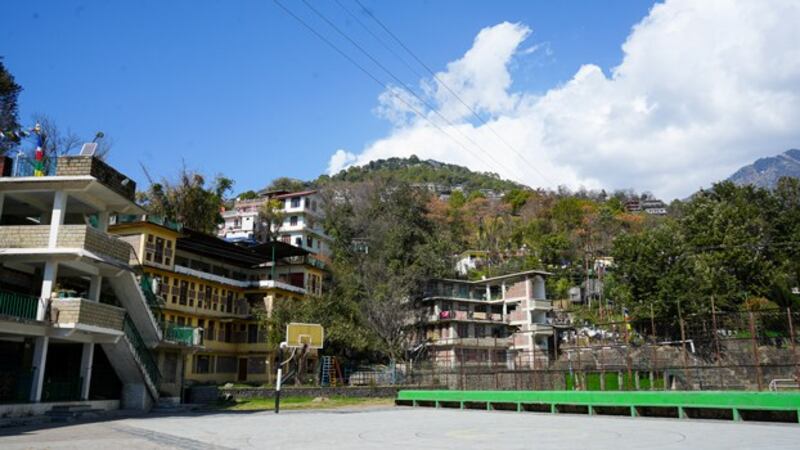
{"x":372,"y":77}
{"x":451,"y":91}
{"x":402,"y":83}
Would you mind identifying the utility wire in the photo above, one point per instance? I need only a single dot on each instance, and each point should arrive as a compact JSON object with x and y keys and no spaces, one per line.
{"x":451,"y":91}
{"x":403,"y":84}
{"x":373,"y":77}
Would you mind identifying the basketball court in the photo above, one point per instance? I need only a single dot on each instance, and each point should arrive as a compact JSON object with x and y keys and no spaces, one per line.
{"x":403,"y":427}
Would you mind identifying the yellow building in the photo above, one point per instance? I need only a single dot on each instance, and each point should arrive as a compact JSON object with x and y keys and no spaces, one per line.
{"x":221,"y":288}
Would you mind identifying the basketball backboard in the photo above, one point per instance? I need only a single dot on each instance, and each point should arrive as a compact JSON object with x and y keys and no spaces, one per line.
{"x":300,"y":334}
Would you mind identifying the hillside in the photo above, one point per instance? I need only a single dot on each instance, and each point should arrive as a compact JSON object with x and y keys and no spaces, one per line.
{"x":766,"y":172}
{"x":413,"y":170}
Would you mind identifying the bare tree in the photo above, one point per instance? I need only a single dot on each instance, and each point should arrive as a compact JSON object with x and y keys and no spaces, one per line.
{"x":57,"y":142}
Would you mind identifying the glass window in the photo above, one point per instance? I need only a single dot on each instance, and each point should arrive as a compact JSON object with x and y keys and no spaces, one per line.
{"x":298,"y":241}
{"x":296,"y":202}
{"x":202,"y":364}
{"x":293,"y":221}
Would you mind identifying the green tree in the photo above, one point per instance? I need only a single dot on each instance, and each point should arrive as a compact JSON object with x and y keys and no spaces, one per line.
{"x":271,"y":216}
{"x":189,"y":200}
{"x":9,"y":91}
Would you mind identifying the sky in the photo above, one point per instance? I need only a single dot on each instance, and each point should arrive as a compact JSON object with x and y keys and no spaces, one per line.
{"x":662,"y":97}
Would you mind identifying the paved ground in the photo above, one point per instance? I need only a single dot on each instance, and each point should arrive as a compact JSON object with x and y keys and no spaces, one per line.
{"x":402,"y":428}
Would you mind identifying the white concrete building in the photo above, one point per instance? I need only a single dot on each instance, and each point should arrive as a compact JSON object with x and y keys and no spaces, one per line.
{"x":501,"y":320}
{"x":75,"y":323}
{"x":301,"y":227}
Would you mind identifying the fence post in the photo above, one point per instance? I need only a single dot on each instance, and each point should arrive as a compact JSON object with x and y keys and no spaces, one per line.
{"x":794,"y":345}
{"x":628,"y":361}
{"x":685,"y":352}
{"x":756,"y":356}
{"x":654,"y":362}
{"x":716,"y":340}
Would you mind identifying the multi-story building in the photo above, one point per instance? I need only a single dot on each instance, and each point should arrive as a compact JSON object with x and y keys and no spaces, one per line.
{"x":75,"y":322}
{"x":222,"y":288}
{"x":501,"y":320}
{"x":302,"y":225}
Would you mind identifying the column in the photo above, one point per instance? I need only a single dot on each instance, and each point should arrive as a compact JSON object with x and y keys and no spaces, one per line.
{"x":57,"y":217}
{"x":48,"y":282}
{"x":102,"y":221}
{"x":39,"y":362}
{"x":87,"y":358}
{"x":95,"y":283}
{"x":2,"y":198}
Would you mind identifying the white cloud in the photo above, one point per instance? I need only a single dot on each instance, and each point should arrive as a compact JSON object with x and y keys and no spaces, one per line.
{"x":703,"y":88}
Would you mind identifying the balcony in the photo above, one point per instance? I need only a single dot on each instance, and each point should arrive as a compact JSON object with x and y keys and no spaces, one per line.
{"x":18,"y":305}
{"x":456,"y":294}
{"x":185,"y":336}
{"x":87,"y":315}
{"x":485,"y":342}
{"x":540,"y":304}
{"x":69,"y":237}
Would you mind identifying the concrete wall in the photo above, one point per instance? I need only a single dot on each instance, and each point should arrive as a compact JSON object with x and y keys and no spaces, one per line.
{"x":36,"y":409}
{"x":209,"y":394}
{"x":86,"y":312}
{"x":87,"y":165}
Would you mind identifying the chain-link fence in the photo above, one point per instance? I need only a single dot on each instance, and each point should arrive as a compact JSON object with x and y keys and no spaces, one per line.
{"x":713,"y":351}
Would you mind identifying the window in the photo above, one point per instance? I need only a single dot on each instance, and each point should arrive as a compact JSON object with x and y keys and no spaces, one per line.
{"x":308,"y":202}
{"x":309,"y":242}
{"x":181,"y":321}
{"x":286,"y":239}
{"x":229,"y":302}
{"x":202,"y":364}
{"x":210,"y":335}
{"x":182,"y":293}
{"x":293,"y":221}
{"x":296,"y":202}
{"x":158,"y":256}
{"x":252,"y":333}
{"x":298,"y":241}
{"x":256,"y":365}
{"x":226,"y":364}
{"x":462,"y":330}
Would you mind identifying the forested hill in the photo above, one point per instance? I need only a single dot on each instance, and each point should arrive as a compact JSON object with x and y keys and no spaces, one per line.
{"x":414,"y":170}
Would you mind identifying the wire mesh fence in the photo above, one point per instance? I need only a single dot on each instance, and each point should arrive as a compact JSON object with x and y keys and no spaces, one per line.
{"x":714,"y":351}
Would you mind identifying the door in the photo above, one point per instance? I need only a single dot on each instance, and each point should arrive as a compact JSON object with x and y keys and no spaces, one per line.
{"x":242,"y":369}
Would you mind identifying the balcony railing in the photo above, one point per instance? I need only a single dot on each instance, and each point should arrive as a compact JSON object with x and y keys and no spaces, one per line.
{"x":69,"y":236}
{"x":72,"y":312}
{"x":188,"y":336}
{"x":455,"y":293}
{"x":18,"y":305}
{"x":473,"y":342}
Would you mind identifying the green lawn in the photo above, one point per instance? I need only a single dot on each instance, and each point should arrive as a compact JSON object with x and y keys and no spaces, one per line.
{"x":305,"y":403}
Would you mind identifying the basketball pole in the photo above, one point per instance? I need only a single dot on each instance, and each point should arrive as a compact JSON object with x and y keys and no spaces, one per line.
{"x":279,"y":377}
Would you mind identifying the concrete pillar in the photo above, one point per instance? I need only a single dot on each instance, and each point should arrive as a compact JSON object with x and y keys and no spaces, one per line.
{"x":87,"y":359}
{"x":57,"y":217}
{"x":39,"y":362}
{"x":95,"y":283}
{"x":102,"y":221}
{"x":527,"y":287}
{"x":48,"y":283}
{"x":136,"y":396}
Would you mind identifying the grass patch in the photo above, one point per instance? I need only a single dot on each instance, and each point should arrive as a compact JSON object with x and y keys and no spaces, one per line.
{"x":290,"y":403}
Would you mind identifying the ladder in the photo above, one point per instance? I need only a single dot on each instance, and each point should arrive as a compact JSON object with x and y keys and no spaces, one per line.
{"x":331,"y":372}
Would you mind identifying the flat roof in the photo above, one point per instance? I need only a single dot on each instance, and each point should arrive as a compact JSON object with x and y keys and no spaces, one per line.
{"x":86,"y":188}
{"x":498,"y":278}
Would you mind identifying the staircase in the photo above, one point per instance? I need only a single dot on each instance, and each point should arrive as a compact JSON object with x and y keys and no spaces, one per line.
{"x":131,"y":356}
{"x":136,"y":367}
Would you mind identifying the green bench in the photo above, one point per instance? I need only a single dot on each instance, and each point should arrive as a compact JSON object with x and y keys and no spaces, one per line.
{"x":633,"y":401}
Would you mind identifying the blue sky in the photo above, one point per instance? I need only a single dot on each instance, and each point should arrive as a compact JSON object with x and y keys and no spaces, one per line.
{"x":240,"y":88}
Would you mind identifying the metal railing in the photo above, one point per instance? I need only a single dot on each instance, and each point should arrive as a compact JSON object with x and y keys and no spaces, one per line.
{"x":147,"y":288}
{"x":143,"y":354}
{"x":26,"y":167}
{"x":18,"y":305}
{"x":182,"y":335}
